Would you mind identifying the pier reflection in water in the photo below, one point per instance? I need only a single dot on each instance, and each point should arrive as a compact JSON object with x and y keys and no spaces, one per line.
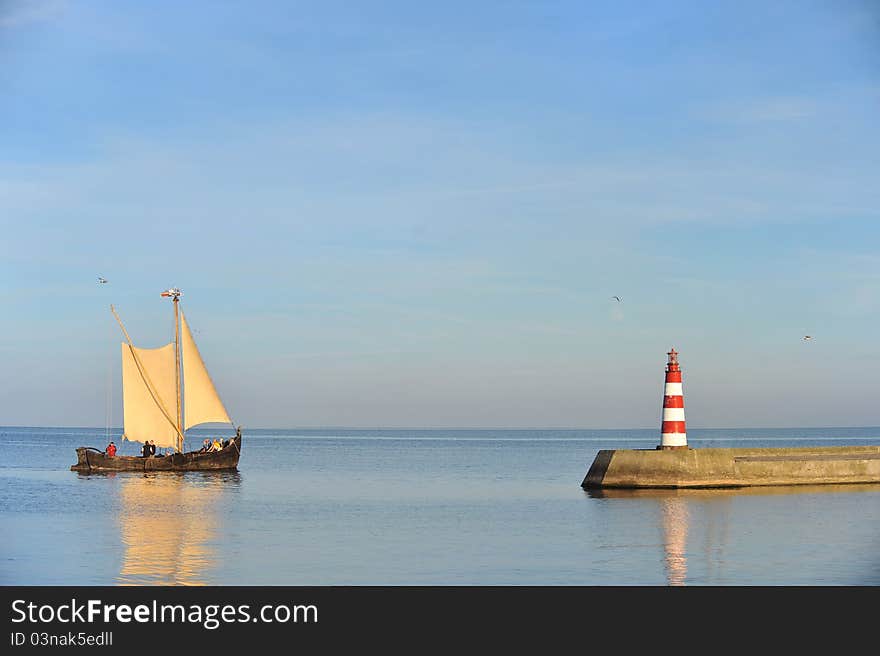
{"x":168,"y":526}
{"x":704,"y":513}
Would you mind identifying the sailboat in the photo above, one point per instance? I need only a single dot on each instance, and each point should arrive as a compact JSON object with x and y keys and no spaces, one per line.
{"x":165,"y":392}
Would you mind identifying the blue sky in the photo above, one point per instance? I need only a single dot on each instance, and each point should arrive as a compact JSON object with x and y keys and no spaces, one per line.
{"x":410,"y":214}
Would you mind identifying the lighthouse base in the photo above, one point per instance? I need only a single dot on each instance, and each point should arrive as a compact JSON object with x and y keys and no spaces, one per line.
{"x":694,"y":468}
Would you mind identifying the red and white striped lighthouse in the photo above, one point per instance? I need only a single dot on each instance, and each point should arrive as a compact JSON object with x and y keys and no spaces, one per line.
{"x":673,"y":434}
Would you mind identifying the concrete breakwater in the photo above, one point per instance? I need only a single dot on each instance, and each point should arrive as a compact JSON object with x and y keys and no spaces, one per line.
{"x":694,"y":468}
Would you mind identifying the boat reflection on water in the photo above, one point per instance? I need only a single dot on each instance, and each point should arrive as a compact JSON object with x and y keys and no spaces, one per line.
{"x":168,"y":526}
{"x":675,"y":509}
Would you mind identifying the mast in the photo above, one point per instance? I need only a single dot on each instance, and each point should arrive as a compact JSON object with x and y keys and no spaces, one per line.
{"x":175,"y":295}
{"x":177,"y":371}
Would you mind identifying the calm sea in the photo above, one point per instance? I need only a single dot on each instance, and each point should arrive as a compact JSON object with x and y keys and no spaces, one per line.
{"x":424,"y":507}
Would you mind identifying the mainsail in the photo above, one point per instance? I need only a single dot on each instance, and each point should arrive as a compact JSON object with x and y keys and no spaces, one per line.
{"x":149,"y":395}
{"x":201,"y":401}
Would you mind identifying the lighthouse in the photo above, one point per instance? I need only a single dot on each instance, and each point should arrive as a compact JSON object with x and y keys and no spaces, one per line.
{"x":672,"y":431}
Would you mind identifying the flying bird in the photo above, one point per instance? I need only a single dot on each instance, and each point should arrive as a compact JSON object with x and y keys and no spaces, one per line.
{"x":617,"y":297}
{"x":102,"y":280}
{"x":807,"y":338}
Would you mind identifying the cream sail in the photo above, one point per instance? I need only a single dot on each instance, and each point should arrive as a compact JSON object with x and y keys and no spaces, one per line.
{"x":203,"y":404}
{"x":147,"y":392}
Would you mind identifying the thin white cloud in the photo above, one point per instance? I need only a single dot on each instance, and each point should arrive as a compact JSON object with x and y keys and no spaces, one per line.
{"x":365,"y":181}
{"x":762,"y":110}
{"x":25,"y":12}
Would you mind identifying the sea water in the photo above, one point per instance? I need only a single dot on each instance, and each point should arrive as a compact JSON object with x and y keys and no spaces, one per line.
{"x":423,"y":507}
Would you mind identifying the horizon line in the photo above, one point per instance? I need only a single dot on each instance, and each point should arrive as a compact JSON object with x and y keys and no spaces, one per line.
{"x":486,"y":428}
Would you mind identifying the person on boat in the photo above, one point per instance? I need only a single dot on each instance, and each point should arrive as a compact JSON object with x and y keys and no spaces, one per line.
{"x":152,"y":448}
{"x":206,"y":446}
{"x":145,"y":452}
{"x":111,"y":450}
{"x":216,"y":446}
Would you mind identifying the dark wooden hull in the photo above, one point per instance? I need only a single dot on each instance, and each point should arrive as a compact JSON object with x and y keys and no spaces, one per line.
{"x":91,"y":460}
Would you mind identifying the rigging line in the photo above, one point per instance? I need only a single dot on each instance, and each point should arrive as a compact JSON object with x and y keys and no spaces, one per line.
{"x":107,"y":386}
{"x":107,"y":407}
{"x":107,"y":410}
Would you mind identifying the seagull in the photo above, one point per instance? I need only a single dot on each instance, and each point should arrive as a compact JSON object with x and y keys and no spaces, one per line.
{"x":102,"y":280}
{"x":617,"y":297}
{"x":807,"y":338}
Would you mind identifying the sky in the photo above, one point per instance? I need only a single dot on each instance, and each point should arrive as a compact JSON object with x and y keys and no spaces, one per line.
{"x":397,"y":214}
